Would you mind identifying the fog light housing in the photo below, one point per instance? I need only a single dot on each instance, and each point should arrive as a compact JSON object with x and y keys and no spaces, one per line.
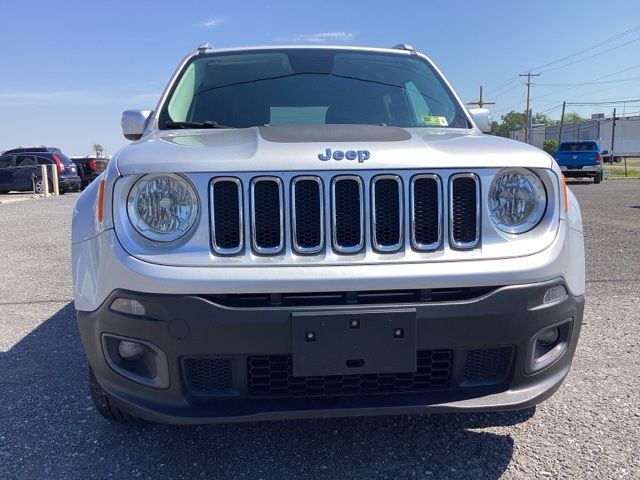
{"x":130,"y":350}
{"x":548,"y":345}
{"x":128,"y":306}
{"x":138,"y":360}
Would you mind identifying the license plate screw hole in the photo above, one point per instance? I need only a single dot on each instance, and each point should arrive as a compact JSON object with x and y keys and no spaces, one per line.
{"x":398,"y":333}
{"x":310,"y":337}
{"x":354,"y":323}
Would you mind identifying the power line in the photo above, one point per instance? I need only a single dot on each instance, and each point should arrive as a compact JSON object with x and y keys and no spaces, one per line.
{"x":586,"y":83}
{"x":578,"y":84}
{"x":590,"y":56}
{"x":584,"y":50}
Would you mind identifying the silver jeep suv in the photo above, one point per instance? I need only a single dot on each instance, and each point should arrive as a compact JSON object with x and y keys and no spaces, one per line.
{"x":323,"y":231}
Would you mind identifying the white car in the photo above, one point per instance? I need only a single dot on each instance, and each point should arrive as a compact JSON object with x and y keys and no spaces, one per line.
{"x":323,"y":231}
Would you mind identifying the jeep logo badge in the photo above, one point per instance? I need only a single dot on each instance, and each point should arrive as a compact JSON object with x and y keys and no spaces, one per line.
{"x":361,"y":155}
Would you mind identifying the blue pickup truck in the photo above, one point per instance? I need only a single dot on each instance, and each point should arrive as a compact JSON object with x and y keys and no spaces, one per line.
{"x":580,"y":160}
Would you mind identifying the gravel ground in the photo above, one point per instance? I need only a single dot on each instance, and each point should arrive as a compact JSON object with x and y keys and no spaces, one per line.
{"x":48,"y":428}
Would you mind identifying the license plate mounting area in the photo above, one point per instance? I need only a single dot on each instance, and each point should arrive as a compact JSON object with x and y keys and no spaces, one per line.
{"x":353,"y":342}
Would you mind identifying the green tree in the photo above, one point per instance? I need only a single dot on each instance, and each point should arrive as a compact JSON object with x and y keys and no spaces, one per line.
{"x":572,"y":117}
{"x":550,"y":145}
{"x":510,"y":122}
{"x":541,"y":119}
{"x":98,"y":149}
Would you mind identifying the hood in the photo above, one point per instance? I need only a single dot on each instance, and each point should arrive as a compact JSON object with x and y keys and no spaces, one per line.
{"x":312,"y":148}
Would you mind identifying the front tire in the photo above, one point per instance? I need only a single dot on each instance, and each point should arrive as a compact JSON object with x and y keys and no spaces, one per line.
{"x":104,"y":405}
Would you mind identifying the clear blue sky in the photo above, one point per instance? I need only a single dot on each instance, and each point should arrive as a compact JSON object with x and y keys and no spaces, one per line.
{"x":69,"y":68}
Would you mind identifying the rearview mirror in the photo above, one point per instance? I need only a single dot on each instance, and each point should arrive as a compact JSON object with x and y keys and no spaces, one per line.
{"x":482,"y":118}
{"x":134,"y":123}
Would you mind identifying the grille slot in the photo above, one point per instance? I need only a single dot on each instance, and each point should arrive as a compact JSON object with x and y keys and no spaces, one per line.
{"x":464,"y":192}
{"x":271,"y":375}
{"x":267,"y":218}
{"x":487,"y":366}
{"x":208,"y":375}
{"x":348,"y":214}
{"x":307,"y":205}
{"x":426,"y":212}
{"x":226,"y":215}
{"x":386,"y":205}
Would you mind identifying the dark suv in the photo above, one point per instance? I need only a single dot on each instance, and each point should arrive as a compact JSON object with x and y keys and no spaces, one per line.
{"x":20,"y":170}
{"x":89,"y":168}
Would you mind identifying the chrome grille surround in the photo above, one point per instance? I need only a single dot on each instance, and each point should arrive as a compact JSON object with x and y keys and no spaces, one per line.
{"x":308,"y":250}
{"x":341,"y":247}
{"x":216,"y":247}
{"x":375,"y":227}
{"x":256,"y":244}
{"x":456,"y":243}
{"x":413,"y":202}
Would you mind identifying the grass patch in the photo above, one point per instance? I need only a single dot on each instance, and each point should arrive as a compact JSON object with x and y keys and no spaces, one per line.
{"x":617,"y":169}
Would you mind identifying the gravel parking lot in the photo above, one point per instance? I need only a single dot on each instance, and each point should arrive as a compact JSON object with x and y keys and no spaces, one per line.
{"x":48,"y":428}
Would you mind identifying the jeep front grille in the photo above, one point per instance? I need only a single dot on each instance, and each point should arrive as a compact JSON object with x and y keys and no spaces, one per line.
{"x":226,"y":213}
{"x":347,"y":198}
{"x":387,"y":217}
{"x":373,"y":213}
{"x":464,"y":207}
{"x":307,"y":205}
{"x":426,"y":221}
{"x":267,"y":215}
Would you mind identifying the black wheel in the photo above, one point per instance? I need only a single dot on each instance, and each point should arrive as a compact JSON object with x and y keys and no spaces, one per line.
{"x":618,"y":159}
{"x":105,"y":406}
{"x":597,"y":179}
{"x":38,"y":186}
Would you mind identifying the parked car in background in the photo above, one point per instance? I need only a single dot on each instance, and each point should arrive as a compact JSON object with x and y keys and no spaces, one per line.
{"x":89,"y":168}
{"x":580,"y":160}
{"x":20,"y":170}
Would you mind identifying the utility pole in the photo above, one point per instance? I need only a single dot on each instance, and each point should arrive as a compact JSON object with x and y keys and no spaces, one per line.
{"x":613,"y":133}
{"x":528,"y":84}
{"x":564,"y":104}
{"x":481,"y":103}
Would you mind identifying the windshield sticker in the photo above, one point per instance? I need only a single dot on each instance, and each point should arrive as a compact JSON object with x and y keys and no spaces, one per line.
{"x":437,"y":121}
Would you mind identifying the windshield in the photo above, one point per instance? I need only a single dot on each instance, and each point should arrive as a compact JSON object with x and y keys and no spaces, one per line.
{"x":578,"y":147}
{"x":311,"y":86}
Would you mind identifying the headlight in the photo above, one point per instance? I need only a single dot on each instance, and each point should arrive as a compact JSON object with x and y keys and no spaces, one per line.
{"x":162,"y":207}
{"x":517,"y":200}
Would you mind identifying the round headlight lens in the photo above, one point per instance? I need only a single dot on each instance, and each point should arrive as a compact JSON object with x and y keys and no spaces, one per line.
{"x":162,"y":207}
{"x":517,"y":200}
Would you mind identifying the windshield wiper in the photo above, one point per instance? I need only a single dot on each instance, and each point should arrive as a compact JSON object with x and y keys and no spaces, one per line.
{"x":205,"y":124}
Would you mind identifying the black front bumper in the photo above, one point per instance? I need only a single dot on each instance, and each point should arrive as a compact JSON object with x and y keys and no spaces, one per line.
{"x":227,"y":362}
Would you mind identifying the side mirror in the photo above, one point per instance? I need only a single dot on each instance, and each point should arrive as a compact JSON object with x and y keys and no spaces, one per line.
{"x":134,"y":123}
{"x":482,"y":118}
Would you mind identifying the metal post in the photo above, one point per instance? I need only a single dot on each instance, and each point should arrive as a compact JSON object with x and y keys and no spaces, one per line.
{"x":44,"y":178}
{"x":613,"y":135}
{"x":561,"y":123}
{"x":528,"y":84}
{"x":54,"y":179}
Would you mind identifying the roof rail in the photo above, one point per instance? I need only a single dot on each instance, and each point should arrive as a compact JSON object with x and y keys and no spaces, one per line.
{"x":203,"y":47}
{"x":404,"y":46}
